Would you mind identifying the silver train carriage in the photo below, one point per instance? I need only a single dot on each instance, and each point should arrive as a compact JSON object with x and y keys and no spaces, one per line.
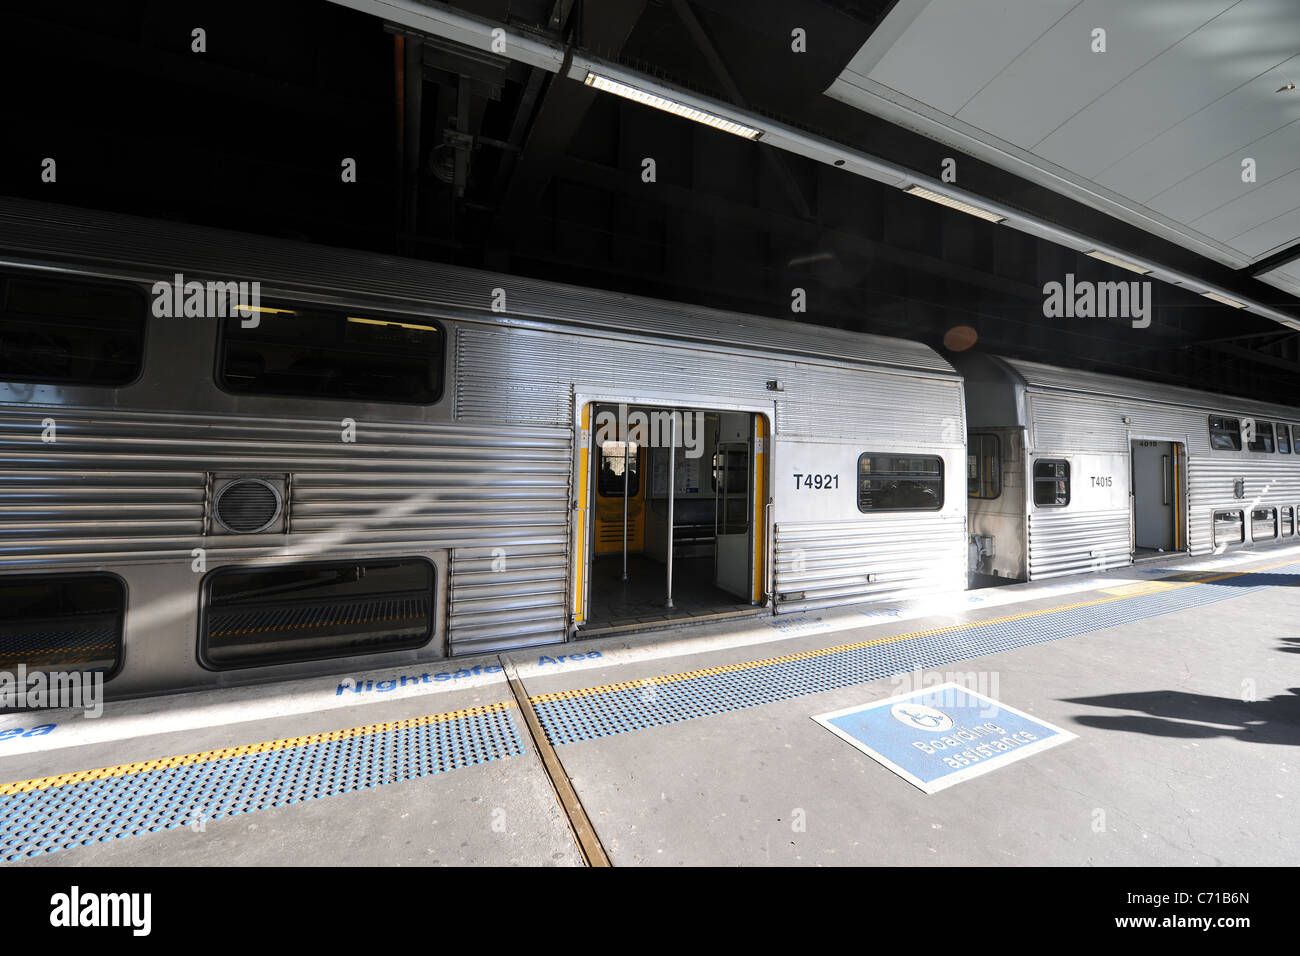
{"x":226,"y":458}
{"x":1072,"y":471}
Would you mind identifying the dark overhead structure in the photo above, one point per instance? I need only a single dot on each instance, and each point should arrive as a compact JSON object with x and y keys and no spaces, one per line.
{"x":480,"y":138}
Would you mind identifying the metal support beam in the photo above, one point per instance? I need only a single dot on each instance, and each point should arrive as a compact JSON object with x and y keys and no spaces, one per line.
{"x":719,"y":68}
{"x":575,"y":65}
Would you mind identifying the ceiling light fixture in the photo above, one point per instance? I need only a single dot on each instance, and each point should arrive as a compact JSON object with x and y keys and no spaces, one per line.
{"x":953,"y":203}
{"x":1224,"y":299}
{"x":1122,"y":263}
{"x":655,"y":101}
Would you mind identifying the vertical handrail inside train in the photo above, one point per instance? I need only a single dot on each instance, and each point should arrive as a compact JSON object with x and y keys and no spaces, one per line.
{"x":626,"y":446}
{"x":719,"y":492}
{"x":672,"y":493}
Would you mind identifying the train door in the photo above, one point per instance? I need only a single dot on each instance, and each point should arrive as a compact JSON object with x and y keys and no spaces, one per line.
{"x":732,"y":525}
{"x":1157,"y":479}
{"x":669,"y":521}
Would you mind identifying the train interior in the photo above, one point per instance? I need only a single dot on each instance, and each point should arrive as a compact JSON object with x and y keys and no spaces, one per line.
{"x":1158,"y":496}
{"x":995,"y":481}
{"x":673,"y":529}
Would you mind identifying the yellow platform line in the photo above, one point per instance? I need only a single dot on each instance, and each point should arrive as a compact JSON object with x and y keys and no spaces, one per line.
{"x":1164,"y":585}
{"x":207,"y":756}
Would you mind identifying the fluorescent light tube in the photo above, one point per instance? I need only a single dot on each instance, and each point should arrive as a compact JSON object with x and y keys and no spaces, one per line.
{"x":1122,"y":263}
{"x":953,"y":203}
{"x":645,"y":98}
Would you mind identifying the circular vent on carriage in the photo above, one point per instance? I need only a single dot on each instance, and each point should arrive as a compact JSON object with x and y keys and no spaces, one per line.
{"x":248,"y":505}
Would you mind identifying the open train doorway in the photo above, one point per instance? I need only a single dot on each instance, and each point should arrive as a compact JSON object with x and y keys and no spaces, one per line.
{"x":1157,"y":483}
{"x":676,"y":515}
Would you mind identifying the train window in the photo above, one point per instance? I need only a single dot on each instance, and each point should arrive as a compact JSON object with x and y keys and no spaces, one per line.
{"x":1229,"y":528}
{"x":1287,"y":516}
{"x":69,"y":332}
{"x":1263,"y":524}
{"x":731,"y":483}
{"x":276,"y":614}
{"x":1051,"y":482}
{"x":318,"y":353}
{"x":612,"y":481}
{"x":1284,"y":439}
{"x":1225,"y":433}
{"x":61,"y":622}
{"x":900,"y":483}
{"x":1263,"y":437}
{"x":984,"y":466}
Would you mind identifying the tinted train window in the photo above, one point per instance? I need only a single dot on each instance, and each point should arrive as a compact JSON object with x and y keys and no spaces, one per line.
{"x":612,"y":481}
{"x":1263,"y":437}
{"x":984,"y":466}
{"x":68,"y":332}
{"x":316,"y":353}
{"x":1287,"y":518}
{"x":1225,"y":434}
{"x":900,"y":483}
{"x":269,"y":615}
{"x":1284,"y":439}
{"x":65,"y":622}
{"x":1051,"y":483}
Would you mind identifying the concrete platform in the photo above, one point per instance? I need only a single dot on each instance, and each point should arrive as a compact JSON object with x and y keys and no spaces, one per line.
{"x":498,"y":812}
{"x":1180,"y":678}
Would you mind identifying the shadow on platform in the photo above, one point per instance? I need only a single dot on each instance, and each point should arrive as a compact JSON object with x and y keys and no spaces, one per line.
{"x":1181,"y":714}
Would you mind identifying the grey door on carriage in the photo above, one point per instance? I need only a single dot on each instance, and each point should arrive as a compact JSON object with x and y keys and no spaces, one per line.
{"x":1153,"y":495}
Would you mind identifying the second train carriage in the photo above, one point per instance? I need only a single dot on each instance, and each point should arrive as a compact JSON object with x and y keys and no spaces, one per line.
{"x":1074,"y":471}
{"x":382,"y":461}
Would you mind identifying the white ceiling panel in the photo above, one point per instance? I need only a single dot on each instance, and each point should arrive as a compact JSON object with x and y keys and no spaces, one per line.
{"x":1222,"y":130}
{"x":1152,"y":131}
{"x":1259,"y":204}
{"x":1208,"y":190}
{"x":1242,"y":44}
{"x":1020,"y":107}
{"x":1271,"y":236}
{"x":961,"y":53}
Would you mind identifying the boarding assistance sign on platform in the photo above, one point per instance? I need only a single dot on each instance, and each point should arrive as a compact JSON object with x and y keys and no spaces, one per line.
{"x":942,"y":735}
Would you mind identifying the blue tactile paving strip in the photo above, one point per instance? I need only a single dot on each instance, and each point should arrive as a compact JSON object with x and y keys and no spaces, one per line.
{"x":593,"y":712}
{"x":97,"y":806}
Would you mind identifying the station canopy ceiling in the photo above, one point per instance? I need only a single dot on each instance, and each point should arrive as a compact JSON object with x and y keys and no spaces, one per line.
{"x":1179,"y":116}
{"x":507,"y":158}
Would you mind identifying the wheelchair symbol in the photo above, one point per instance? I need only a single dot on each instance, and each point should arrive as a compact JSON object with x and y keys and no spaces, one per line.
{"x":920,"y":717}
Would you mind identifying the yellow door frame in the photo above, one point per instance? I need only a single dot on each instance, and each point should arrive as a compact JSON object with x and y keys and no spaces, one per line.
{"x":581,"y":546}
